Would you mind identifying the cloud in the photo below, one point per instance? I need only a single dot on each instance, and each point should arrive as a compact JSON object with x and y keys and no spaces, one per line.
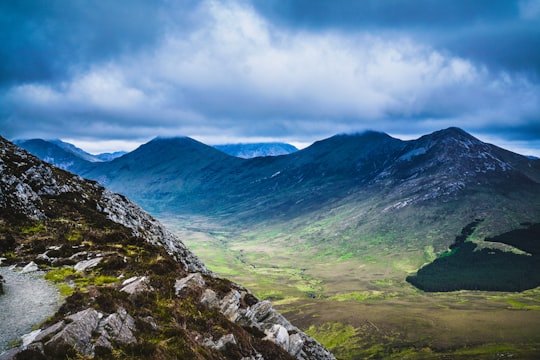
{"x":218,"y":69}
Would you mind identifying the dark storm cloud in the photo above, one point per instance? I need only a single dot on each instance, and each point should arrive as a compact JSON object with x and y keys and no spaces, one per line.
{"x":49,"y":40}
{"x":237,"y":70}
{"x":502,"y":33}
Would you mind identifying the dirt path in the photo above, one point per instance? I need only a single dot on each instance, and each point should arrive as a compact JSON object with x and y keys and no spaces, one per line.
{"x":28,"y":300}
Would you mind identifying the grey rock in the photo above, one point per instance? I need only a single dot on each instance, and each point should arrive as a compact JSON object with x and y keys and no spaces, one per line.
{"x":279,"y":335}
{"x":77,"y":334}
{"x":210,"y":299}
{"x":86,"y":264}
{"x":118,"y":327}
{"x":51,"y":330}
{"x":194,"y":280}
{"x":30,"y":337}
{"x":30,"y":267}
{"x":136,"y":285}
{"x":34,"y":351}
{"x":295,"y":344}
{"x":10,"y":354}
{"x":222,"y":343}
{"x":261,"y":310}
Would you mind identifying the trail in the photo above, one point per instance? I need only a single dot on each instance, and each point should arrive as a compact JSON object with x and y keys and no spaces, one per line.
{"x":28,"y":300}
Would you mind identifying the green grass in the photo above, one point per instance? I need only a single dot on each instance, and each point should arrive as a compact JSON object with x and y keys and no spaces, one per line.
{"x":333,"y":335}
{"x":59,"y":274}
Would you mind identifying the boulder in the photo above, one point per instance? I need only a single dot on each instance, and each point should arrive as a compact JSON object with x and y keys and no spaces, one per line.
{"x":117,"y":327}
{"x":86,"y":264}
{"x":279,"y":335}
{"x":194,"y":280}
{"x":210,"y":299}
{"x":136,"y":284}
{"x":76,"y":335}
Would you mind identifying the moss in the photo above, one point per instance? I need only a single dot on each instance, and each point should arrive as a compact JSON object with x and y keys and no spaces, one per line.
{"x":60,"y":274}
{"x":33,"y":229}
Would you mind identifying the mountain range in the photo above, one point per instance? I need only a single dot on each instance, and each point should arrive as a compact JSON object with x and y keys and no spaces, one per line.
{"x":131,"y":289}
{"x":415,"y":194}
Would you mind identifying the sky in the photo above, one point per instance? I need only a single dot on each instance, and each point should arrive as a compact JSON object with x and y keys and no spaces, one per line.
{"x":112,"y":74}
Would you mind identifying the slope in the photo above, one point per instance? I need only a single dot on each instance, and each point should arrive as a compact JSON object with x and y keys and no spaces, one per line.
{"x":133,"y":289}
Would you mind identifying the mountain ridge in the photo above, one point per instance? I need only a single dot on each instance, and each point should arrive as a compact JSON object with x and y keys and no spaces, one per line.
{"x":183,"y":175}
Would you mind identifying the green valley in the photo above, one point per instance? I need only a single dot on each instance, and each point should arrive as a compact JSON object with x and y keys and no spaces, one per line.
{"x":361,"y":306}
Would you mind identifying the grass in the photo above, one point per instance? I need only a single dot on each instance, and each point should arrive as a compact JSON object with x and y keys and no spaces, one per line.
{"x":333,"y":335}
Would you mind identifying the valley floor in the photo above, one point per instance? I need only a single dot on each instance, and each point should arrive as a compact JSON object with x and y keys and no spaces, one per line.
{"x":363,"y":307}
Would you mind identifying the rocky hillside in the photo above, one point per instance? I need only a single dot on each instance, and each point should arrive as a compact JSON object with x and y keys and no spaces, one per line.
{"x":132,"y":289}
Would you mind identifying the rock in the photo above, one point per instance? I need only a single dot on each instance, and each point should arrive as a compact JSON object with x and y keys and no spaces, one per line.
{"x":230,"y":304}
{"x":261,"y":310}
{"x":86,"y":264}
{"x":137,"y":285}
{"x":27,"y":339}
{"x":2,"y":281}
{"x":295,"y":344}
{"x":51,"y":330}
{"x":210,"y":299}
{"x":222,"y":343}
{"x":118,"y":327}
{"x":33,"y":351}
{"x":77,"y":334}
{"x":10,"y":354}
{"x":194,"y":280}
{"x":279,"y":335}
{"x":30,"y":267}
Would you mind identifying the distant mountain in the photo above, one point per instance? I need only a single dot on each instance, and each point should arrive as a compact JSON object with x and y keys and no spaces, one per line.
{"x":110,"y":156}
{"x":133,"y":290}
{"x":64,"y":155}
{"x":248,"y":151}
{"x":75,"y":150}
{"x":60,"y":154}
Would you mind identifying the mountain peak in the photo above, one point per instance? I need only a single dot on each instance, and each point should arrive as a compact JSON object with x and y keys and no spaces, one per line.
{"x":453,"y":133}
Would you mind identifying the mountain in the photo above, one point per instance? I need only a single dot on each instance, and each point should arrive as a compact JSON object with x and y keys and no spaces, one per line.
{"x":248,"y":151}
{"x":74,"y":150}
{"x":110,"y":156}
{"x":132,"y":289}
{"x":64,"y":155}
{"x":415,"y":194}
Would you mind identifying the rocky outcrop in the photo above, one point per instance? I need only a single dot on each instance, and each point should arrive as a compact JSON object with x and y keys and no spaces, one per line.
{"x":86,"y":332}
{"x":240,"y":306}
